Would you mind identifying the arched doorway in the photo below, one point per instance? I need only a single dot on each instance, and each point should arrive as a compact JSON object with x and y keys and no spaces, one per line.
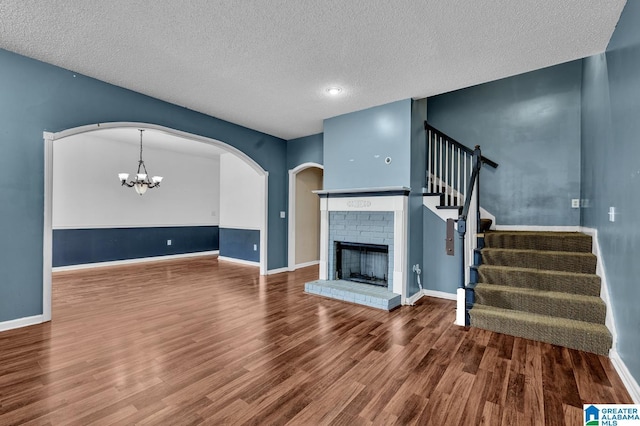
{"x":304,"y":215}
{"x":50,"y":138}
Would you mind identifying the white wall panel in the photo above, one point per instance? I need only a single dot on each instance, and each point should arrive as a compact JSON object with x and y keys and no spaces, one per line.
{"x":87,"y":193}
{"x":241,"y":194}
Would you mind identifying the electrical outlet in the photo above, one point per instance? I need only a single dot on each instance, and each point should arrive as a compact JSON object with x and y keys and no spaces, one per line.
{"x":575,"y":203}
{"x":168,"y":242}
{"x":612,"y":214}
{"x":282,"y":215}
{"x":255,"y":247}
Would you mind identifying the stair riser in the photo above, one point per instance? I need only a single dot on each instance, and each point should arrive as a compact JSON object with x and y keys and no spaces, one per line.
{"x":598,"y":343}
{"x":594,"y":312}
{"x":584,"y":264}
{"x":579,"y":243}
{"x":589,"y":285}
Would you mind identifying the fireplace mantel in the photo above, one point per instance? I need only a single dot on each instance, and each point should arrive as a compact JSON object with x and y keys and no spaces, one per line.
{"x":384,"y":191}
{"x":382,"y":199}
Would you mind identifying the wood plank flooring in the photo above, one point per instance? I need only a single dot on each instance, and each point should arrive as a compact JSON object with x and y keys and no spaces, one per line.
{"x":197,"y":341}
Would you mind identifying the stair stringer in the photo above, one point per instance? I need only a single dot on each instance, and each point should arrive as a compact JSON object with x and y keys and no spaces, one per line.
{"x":433,"y":201}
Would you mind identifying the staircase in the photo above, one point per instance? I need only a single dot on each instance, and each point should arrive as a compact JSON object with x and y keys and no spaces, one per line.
{"x":540,"y":286}
{"x":537,"y":285}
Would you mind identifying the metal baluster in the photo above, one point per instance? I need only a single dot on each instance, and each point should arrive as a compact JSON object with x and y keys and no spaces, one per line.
{"x":429,"y":167}
{"x":464,"y":175}
{"x":452,"y":185}
{"x":459,"y":203}
{"x":440,"y":165}
{"x":446,"y":173}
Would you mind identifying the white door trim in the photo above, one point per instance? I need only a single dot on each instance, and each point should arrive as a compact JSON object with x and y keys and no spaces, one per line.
{"x":291,"y":264}
{"x":49,"y":138}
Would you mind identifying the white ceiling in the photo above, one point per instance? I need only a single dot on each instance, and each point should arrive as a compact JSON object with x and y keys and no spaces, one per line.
{"x":265,"y":64}
{"x":154,"y":139}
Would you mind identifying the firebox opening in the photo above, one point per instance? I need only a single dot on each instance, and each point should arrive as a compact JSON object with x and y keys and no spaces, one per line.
{"x":362,"y":263}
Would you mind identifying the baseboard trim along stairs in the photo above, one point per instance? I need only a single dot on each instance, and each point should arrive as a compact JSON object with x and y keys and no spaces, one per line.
{"x":541,"y":286}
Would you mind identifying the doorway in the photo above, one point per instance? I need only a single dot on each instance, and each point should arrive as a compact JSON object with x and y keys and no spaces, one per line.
{"x":304,"y":215}
{"x":50,"y":138}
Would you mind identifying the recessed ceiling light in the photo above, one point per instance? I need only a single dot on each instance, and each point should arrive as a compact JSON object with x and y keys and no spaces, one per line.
{"x":334,"y":90}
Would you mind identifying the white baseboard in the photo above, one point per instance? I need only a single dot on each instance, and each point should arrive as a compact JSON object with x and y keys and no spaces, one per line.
{"x":625,"y":375}
{"x":278,"y":271}
{"x":604,"y":287}
{"x":439,"y":294}
{"x":21,"y":322}
{"x":239,"y":261}
{"x":305,"y":264}
{"x":537,"y":228}
{"x":413,"y":299}
{"x":132,"y":261}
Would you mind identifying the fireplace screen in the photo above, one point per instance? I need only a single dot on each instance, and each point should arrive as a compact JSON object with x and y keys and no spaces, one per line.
{"x":363,"y":263}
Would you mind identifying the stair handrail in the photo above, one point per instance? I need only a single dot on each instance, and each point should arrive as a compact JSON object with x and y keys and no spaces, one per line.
{"x":464,"y":214}
{"x":457,"y":144}
{"x":475,"y":176}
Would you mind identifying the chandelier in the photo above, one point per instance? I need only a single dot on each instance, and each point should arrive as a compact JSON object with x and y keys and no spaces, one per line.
{"x":141,"y":182}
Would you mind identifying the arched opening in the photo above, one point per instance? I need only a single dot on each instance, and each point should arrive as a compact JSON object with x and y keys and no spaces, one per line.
{"x":304,"y":215}
{"x":171,"y":136}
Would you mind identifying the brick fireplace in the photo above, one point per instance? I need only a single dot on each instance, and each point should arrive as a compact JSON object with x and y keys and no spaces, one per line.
{"x":373,"y":218}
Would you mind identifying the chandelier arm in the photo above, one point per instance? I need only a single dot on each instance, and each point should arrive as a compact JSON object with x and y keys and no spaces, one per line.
{"x":145,"y":170}
{"x":145,"y":183}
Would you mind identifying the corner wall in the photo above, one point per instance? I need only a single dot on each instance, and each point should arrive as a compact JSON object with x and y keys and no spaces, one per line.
{"x":611,"y":174}
{"x":417,"y":175}
{"x":356,"y":145}
{"x":241,"y":209}
{"x":530,"y":125}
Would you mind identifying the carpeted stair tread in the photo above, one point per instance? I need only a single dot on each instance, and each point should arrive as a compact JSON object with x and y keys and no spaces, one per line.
{"x":568,"y":282}
{"x":573,"y":334}
{"x":552,"y":303}
{"x":540,"y":259}
{"x":529,"y":240}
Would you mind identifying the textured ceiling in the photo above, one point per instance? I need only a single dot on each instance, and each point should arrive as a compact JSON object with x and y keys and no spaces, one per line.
{"x":153,"y":139}
{"x":265,"y":64}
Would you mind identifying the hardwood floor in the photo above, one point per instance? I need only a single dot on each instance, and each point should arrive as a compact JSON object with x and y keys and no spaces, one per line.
{"x":196,"y":341}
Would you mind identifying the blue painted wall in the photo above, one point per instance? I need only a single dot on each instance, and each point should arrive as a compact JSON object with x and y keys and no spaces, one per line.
{"x":307,"y":149}
{"x":356,"y":144}
{"x":441,"y":272}
{"x":530,"y":125}
{"x":417,"y":173}
{"x":39,"y":97}
{"x":611,"y":172}
{"x":78,"y":246}
{"x":239,"y":244}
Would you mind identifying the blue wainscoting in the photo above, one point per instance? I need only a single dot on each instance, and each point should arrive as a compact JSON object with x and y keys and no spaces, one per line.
{"x":240,"y":243}
{"x":81,"y":246}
